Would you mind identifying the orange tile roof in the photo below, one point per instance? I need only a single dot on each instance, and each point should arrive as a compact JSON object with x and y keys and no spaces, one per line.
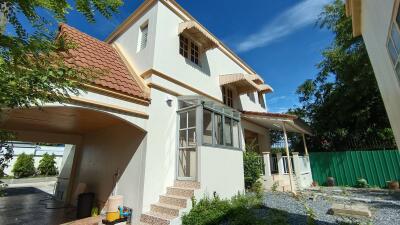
{"x":93,"y":53}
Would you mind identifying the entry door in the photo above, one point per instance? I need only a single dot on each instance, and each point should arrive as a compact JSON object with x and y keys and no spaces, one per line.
{"x":187,"y":156}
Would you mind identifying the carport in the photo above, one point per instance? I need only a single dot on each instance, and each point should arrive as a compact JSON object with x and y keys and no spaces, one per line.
{"x":106,"y":155}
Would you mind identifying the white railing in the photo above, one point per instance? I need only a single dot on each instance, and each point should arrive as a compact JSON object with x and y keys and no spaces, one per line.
{"x":286,"y":165}
{"x":274,"y":164}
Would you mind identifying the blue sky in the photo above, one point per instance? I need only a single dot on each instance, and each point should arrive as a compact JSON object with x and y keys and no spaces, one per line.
{"x":279,"y":39}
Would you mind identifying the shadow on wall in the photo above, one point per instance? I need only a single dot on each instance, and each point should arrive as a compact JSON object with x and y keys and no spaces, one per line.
{"x":111,"y":160}
{"x":203,"y":66}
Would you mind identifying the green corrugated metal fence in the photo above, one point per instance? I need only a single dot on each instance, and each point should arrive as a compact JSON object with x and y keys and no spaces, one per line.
{"x":376,"y":166}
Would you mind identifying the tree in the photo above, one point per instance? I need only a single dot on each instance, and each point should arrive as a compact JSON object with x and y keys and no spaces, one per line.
{"x":343,"y":102}
{"x":32,"y":57}
{"x":24,"y":166}
{"x":47,"y":165}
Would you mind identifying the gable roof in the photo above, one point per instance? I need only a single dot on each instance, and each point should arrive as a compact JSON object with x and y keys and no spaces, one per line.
{"x":93,"y":53}
{"x":185,"y":16}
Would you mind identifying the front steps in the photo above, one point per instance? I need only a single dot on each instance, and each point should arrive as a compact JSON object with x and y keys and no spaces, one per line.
{"x":171,"y":205}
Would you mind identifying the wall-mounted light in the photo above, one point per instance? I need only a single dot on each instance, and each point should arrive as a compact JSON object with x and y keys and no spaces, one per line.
{"x":168,"y":99}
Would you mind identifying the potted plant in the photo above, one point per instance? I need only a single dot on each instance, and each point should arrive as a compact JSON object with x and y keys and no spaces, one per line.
{"x":393,"y":185}
{"x":330,"y":181}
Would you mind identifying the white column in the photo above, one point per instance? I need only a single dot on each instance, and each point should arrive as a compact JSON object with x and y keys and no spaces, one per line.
{"x":305,"y":145}
{"x":288,"y":156}
{"x":279,"y":160}
{"x":297,"y":169}
{"x":267,"y":165}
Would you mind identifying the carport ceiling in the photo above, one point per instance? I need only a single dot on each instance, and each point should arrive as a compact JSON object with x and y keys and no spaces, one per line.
{"x":63,"y":119}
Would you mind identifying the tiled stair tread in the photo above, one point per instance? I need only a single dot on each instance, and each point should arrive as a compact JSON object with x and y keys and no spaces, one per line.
{"x":182,"y":188}
{"x":167,"y":206}
{"x":189,"y":184}
{"x":161,"y":215}
{"x":176,"y":196}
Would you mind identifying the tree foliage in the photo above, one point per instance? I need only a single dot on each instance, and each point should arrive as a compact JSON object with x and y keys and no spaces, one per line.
{"x":24,"y":166}
{"x":47,"y":165}
{"x":343,"y":102}
{"x":33,"y":68}
{"x":252,"y":168}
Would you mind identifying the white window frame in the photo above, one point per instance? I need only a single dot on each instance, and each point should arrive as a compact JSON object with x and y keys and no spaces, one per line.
{"x":143,"y":36}
{"x":394,"y":25}
{"x":193,"y":49}
{"x":227,"y":95}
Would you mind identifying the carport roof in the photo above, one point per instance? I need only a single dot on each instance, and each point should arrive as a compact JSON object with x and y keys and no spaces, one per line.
{"x":274,"y":121}
{"x":93,"y":53}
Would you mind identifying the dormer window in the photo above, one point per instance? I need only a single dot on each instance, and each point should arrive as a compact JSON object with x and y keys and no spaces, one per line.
{"x":189,"y":49}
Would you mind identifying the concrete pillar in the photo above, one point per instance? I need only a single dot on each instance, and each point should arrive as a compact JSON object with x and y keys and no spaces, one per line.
{"x":297,"y":169}
{"x":279,"y":160}
{"x":267,"y":164}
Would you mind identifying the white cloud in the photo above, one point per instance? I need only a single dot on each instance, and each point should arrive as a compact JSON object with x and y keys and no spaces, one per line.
{"x":294,"y":18}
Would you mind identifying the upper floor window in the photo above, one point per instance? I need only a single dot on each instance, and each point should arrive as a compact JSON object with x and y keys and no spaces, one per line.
{"x":143,"y":35}
{"x":189,"y":49}
{"x":251,"y":96}
{"x":227,"y":96}
{"x":393,"y":42}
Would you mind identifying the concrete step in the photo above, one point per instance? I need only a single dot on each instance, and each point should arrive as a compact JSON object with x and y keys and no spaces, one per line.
{"x":179,"y":191}
{"x":187,"y":184}
{"x":165,"y":209}
{"x":174,"y":200}
{"x":154,"y":218}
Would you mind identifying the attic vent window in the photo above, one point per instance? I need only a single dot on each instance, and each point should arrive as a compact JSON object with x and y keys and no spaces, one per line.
{"x":144,"y":32}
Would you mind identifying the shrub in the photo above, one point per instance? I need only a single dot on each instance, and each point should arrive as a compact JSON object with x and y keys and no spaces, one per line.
{"x":47,"y":165}
{"x":252,"y":168}
{"x":24,"y":166}
{"x":237,"y":211}
{"x":362,"y":183}
{"x":207,"y":211}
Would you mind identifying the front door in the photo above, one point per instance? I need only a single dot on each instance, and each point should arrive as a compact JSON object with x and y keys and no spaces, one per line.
{"x":187,"y":155}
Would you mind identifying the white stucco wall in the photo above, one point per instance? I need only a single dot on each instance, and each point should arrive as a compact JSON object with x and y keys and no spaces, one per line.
{"x":376,"y":17}
{"x":104,"y":152}
{"x":221,"y":171}
{"x":161,"y":148}
{"x":129,"y":40}
{"x":205,"y":78}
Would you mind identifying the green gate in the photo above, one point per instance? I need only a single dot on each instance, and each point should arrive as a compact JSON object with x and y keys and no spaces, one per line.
{"x":376,"y":166}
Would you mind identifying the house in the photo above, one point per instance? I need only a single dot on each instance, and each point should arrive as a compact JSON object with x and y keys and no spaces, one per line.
{"x":168,"y":118}
{"x":378,"y":22}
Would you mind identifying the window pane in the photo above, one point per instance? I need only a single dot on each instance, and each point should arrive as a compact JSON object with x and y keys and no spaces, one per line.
{"x":183,"y":120}
{"x":192,"y":137}
{"x":392,"y":51}
{"x":395,"y":37}
{"x":207,"y":127}
{"x":182,"y":138}
{"x":192,"y":118}
{"x":218,"y":129}
{"x":227,"y":131}
{"x":398,"y":16}
{"x":235,"y":134}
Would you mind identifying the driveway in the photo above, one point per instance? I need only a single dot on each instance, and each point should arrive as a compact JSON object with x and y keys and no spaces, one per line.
{"x":31,"y":203}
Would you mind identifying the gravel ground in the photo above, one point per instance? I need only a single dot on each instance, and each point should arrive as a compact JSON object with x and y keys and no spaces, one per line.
{"x":385,"y":207}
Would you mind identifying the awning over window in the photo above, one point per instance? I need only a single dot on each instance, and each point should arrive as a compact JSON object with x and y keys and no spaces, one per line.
{"x":256,"y":78}
{"x":265,"y":88}
{"x":243,"y":83}
{"x":196,"y":31}
{"x":275,"y":121}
